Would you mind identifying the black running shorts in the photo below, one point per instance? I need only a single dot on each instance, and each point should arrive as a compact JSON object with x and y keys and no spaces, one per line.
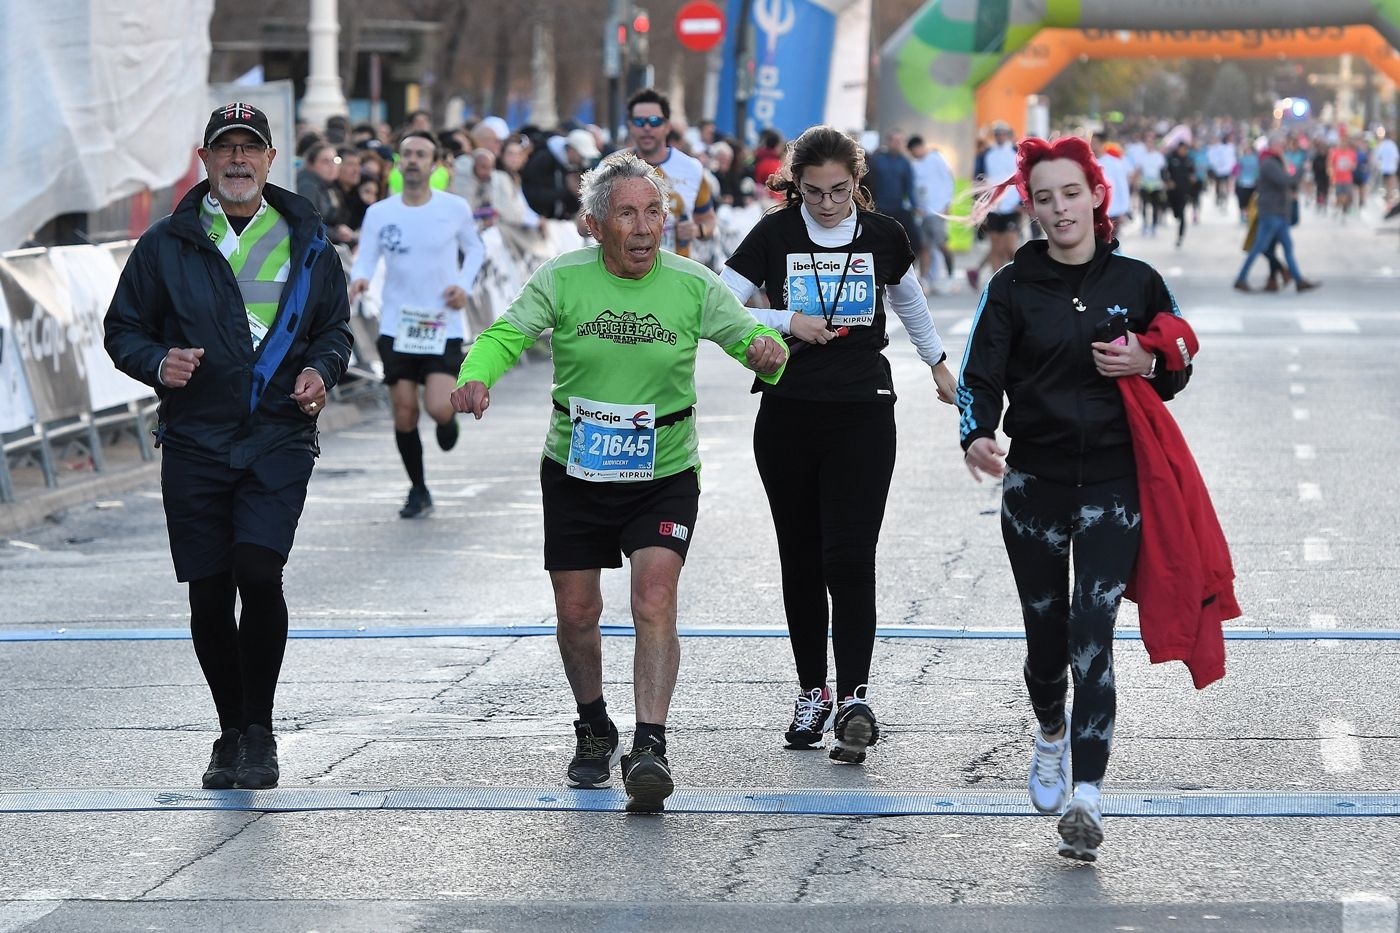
{"x":588,"y":526}
{"x":415,"y":367}
{"x":210,"y":507}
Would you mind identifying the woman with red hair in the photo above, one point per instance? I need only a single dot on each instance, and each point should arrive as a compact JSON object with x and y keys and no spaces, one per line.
{"x":1055,"y":329}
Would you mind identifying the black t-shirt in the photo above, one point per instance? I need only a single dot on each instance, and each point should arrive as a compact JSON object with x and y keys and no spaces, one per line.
{"x":848,"y":288}
{"x":1073,"y":276}
{"x":239,"y":224}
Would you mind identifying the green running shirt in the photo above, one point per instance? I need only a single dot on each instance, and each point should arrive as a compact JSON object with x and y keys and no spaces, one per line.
{"x":620,"y":341}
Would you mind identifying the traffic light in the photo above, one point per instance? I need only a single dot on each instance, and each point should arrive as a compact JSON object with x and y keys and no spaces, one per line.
{"x":641,"y":27}
{"x":641,"y":23}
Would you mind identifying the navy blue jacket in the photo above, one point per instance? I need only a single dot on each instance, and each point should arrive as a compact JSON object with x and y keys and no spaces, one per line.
{"x":177,"y":290}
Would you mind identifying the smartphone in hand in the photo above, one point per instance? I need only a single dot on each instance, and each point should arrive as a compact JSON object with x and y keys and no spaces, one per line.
{"x":1112,"y":329}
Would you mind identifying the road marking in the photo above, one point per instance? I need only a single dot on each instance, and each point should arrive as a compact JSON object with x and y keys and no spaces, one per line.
{"x":962,"y":327}
{"x":1309,"y":492}
{"x":1297,"y":389}
{"x":1221,"y":324}
{"x":15,"y":915}
{"x":1364,"y":912}
{"x":1301,"y":414}
{"x":1327,"y":324}
{"x":825,"y":801}
{"x":1327,"y":623}
{"x":1341,"y":750}
{"x":1294,"y":367}
{"x":1305,"y":451}
{"x":1317,"y":549}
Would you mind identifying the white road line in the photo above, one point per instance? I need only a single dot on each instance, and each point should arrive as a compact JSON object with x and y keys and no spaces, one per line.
{"x":1309,"y":492}
{"x":1305,"y":451}
{"x":962,"y":328}
{"x":1341,"y":750}
{"x":1301,"y":414}
{"x":1294,"y":368}
{"x":1221,"y":324}
{"x":1327,"y":324}
{"x":1327,"y":623}
{"x":17,"y":914}
{"x":1297,"y":389}
{"x":1317,"y":549}
{"x":1363,"y":912}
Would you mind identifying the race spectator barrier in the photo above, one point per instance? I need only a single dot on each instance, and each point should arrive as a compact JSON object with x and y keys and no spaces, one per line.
{"x":61,"y":398}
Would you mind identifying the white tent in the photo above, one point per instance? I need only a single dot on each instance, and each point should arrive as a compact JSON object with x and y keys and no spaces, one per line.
{"x":98,"y":99}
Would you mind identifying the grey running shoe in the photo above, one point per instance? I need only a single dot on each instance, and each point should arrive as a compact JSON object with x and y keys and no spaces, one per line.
{"x":1049,"y":780}
{"x":594,"y":756}
{"x":257,"y":759}
{"x":223,"y":763}
{"x":419,"y":502}
{"x":813,"y":714}
{"x":1081,"y":828}
{"x":646,"y":775}
{"x":856,"y":729}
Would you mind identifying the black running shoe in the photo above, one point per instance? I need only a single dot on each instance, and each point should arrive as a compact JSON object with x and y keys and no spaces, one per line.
{"x":856,"y":729}
{"x":811,"y":717}
{"x":257,"y":759}
{"x":594,"y":756}
{"x":646,"y":775}
{"x":419,"y":502}
{"x":447,"y":434}
{"x":223,"y":763}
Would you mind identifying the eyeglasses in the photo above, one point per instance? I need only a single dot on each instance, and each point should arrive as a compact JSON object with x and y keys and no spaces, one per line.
{"x":224,"y":150}
{"x":837,"y":195}
{"x":652,"y":121}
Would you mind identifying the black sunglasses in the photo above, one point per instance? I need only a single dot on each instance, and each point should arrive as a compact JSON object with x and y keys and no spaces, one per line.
{"x":652,"y":122}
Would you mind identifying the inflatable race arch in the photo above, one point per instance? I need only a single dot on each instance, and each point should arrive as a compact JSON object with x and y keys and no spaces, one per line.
{"x":958,"y":64}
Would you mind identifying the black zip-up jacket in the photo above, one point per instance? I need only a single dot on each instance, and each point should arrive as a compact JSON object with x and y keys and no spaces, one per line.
{"x":177,"y":290}
{"x":1031,"y":342}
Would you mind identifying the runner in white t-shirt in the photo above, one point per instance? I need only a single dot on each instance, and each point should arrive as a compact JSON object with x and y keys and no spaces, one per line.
{"x":1119,"y":177}
{"x":692,"y":214}
{"x":419,"y":235}
{"x":933,"y":181}
{"x":1387,"y":156}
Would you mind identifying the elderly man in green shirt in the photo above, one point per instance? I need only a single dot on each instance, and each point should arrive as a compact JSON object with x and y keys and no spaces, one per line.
{"x":621,"y":465}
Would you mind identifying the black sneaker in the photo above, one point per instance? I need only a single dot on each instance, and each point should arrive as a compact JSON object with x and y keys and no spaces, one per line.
{"x":811,"y":717}
{"x":856,"y":729}
{"x":257,"y":759}
{"x":447,"y":434}
{"x":594,"y":756}
{"x":419,"y":502}
{"x":223,"y":763}
{"x":646,"y":775}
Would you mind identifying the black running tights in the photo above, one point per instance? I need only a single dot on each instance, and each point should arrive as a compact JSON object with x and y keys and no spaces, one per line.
{"x":241,"y":660}
{"x":1044,"y":524}
{"x":826,"y":468}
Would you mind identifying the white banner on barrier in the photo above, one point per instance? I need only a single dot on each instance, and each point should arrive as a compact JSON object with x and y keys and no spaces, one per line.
{"x":53,"y":365}
{"x":497,"y":283}
{"x":16,"y":407}
{"x":91,"y":276}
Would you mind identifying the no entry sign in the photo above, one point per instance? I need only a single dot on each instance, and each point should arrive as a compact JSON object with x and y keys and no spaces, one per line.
{"x":700,"y":26}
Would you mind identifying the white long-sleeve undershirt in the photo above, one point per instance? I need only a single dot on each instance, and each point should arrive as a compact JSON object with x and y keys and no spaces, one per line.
{"x":905,"y":298}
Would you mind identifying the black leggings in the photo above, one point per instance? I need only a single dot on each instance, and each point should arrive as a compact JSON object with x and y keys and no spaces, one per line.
{"x":241,"y":661}
{"x":826,"y":467}
{"x":1043,"y":523}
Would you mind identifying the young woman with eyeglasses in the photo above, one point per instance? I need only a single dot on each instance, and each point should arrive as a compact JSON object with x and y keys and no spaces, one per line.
{"x":824,"y":439}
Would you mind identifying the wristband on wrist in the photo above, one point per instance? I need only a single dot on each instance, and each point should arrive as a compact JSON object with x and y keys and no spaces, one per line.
{"x":1152,"y":370}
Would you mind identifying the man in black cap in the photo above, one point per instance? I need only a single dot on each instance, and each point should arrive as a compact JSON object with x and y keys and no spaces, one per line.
{"x":234,"y":308}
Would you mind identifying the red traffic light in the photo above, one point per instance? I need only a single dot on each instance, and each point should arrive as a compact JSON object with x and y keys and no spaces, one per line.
{"x":621,"y":34}
{"x":641,"y":23}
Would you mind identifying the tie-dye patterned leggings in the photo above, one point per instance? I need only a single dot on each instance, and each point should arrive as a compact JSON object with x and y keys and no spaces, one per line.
{"x":1044,"y":525}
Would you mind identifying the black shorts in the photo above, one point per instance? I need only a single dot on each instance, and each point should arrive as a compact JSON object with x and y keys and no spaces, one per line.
{"x":588,"y":526}
{"x":1003,"y":223}
{"x":210,"y":507}
{"x":416,"y":367}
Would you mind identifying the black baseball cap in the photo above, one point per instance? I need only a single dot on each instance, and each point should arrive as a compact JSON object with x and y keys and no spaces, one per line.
{"x":238,"y":116}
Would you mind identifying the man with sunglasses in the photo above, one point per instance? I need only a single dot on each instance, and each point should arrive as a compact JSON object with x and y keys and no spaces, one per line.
{"x":692,"y":213}
{"x":234,"y":308}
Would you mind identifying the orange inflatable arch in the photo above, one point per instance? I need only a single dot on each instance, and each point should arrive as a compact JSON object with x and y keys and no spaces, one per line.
{"x":1028,"y":71}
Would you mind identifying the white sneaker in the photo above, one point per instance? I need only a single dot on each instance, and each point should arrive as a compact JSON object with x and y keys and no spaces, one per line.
{"x":1049,"y":780}
{"x":1081,"y":828}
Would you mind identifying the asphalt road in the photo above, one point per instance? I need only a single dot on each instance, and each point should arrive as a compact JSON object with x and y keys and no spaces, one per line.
{"x":1292,"y":415}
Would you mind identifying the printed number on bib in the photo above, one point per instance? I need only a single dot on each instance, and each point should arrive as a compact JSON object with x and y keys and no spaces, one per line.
{"x":422,"y":331}
{"x":611,"y":443}
{"x":809,"y":289}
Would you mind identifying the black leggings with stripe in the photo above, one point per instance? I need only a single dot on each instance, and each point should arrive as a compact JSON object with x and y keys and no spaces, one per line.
{"x":1046,"y":525}
{"x":826,"y":467}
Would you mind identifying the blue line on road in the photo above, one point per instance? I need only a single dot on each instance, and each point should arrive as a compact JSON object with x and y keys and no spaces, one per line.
{"x":813,"y":802}
{"x":626,"y":631}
